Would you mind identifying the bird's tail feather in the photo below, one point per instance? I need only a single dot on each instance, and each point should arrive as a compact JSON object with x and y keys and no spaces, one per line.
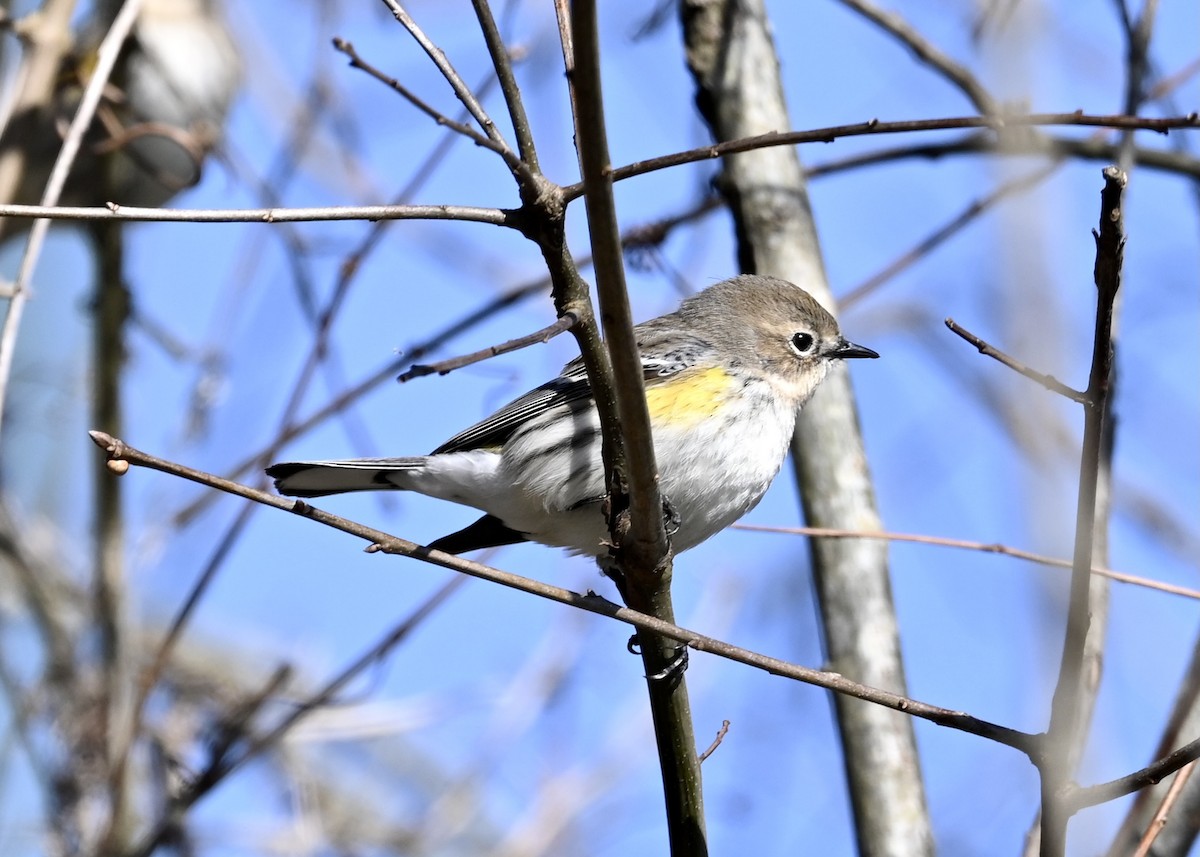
{"x":321,"y":478}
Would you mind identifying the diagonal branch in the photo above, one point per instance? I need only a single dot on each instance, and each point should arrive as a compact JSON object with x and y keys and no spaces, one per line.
{"x":121,"y":456}
{"x":988,"y":350}
{"x":461,"y":90}
{"x":445,"y":367}
{"x":416,"y":101}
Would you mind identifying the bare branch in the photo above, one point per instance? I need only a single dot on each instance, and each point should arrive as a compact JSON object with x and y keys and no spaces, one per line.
{"x":445,"y":367}
{"x":982,"y":547}
{"x":461,"y":90}
{"x":1048,"y":381}
{"x":712,"y":748}
{"x":115,"y":212}
{"x":1056,"y":768}
{"x":121,"y":456}
{"x":874,"y":126}
{"x":641,"y":551}
{"x":471,"y":134}
{"x":1164,"y":810}
{"x":502,"y":63}
{"x":1082,"y":798}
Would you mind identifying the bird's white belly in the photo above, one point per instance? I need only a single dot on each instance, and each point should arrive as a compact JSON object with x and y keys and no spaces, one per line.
{"x":712,"y":473}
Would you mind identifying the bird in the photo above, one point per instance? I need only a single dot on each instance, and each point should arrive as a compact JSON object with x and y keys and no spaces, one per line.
{"x":179,"y":74}
{"x":725,"y":376}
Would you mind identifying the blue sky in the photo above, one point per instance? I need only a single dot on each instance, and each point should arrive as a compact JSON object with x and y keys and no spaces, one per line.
{"x":958,"y":445}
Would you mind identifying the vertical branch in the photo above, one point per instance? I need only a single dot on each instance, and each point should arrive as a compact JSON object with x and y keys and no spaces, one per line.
{"x":110,"y":313}
{"x":1137,"y":64}
{"x":641,"y":549}
{"x":1056,"y":767}
{"x":739,"y":91}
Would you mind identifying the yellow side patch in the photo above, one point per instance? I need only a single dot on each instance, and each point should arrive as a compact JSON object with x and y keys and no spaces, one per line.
{"x":688,"y":398}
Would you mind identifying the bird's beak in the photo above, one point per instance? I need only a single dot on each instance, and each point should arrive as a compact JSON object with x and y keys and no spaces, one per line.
{"x":845,"y":349}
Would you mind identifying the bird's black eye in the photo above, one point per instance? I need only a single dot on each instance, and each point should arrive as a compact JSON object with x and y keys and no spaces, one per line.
{"x":803,"y":342}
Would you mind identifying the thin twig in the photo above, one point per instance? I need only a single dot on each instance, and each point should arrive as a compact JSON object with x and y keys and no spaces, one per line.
{"x":1164,"y":810}
{"x":1081,"y":798}
{"x":1048,"y":381}
{"x":982,"y":547}
{"x":874,"y":127}
{"x":712,"y":748}
{"x":121,"y":456}
{"x":461,"y":90}
{"x":470,"y":133}
{"x":445,"y":367}
{"x":984,"y":142}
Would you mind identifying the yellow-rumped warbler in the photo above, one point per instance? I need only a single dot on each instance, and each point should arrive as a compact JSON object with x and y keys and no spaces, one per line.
{"x":725,"y":376}
{"x":149,"y":140}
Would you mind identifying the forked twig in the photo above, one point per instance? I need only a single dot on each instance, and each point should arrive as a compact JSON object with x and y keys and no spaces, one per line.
{"x":416,"y":101}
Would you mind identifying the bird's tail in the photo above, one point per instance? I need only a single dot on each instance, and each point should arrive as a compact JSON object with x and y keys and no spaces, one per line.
{"x":320,"y":478}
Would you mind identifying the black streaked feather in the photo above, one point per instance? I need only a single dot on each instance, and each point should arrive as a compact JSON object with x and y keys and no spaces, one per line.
{"x":569,"y":388}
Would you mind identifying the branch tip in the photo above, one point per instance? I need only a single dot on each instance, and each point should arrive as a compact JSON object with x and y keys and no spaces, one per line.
{"x":114,"y":447}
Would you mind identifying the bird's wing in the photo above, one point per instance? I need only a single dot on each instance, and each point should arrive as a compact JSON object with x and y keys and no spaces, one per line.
{"x":496,"y":429}
{"x":571,"y":387}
